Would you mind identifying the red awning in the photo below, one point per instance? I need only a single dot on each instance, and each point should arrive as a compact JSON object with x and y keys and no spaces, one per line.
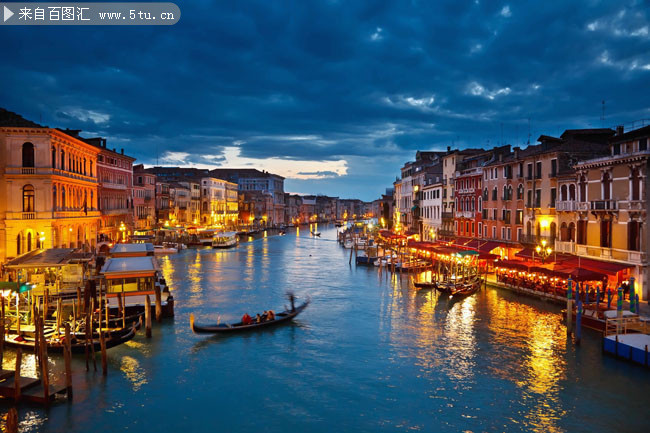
{"x":611,"y":268}
{"x":462,"y":241}
{"x":487,"y":256}
{"x":488,"y":246}
{"x":513,"y":264}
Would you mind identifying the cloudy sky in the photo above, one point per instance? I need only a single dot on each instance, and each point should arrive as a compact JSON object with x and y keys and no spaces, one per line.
{"x":334,"y":95}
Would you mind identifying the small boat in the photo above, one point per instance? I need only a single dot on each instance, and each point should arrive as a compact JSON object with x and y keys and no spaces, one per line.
{"x":56,"y":346}
{"x":315,"y":234}
{"x":225,"y":240}
{"x":424,"y":285}
{"x":205,"y":236}
{"x":285,"y":316}
{"x":164,"y":249}
{"x":282,"y":232}
{"x":365,"y":260}
{"x":467,"y":289}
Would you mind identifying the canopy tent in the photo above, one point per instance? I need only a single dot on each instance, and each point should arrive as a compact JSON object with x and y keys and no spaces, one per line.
{"x":513,"y":264}
{"x":611,"y":268}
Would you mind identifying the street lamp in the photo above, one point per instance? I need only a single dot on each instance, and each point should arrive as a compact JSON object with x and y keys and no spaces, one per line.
{"x":543,"y":251}
{"x":122,"y":230}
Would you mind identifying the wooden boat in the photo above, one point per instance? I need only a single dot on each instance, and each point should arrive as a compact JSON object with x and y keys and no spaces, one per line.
{"x":426,"y":285}
{"x":225,"y":240}
{"x":283,"y":317}
{"x":315,"y":234}
{"x":164,"y":249}
{"x":77,"y":347}
{"x":466,"y":289}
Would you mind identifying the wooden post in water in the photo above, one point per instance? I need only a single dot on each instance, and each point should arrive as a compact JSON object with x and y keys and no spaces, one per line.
{"x":59,"y":312}
{"x":88,"y":318}
{"x":119,"y":304}
{"x":45,"y":378}
{"x":19,"y":362}
{"x":156,"y":290}
{"x":67,"y":354}
{"x":92,"y":343}
{"x":46,"y":303}
{"x":2,"y":331}
{"x":147,"y":316}
{"x":12,"y":420}
{"x":102,"y":342}
{"x":569,"y":307}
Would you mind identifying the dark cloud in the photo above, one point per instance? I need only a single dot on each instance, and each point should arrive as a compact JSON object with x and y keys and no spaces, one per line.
{"x":365,"y":82}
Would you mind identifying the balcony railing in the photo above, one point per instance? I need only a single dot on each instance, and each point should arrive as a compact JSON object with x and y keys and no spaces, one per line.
{"x":615,"y":254}
{"x":448,"y":215}
{"x":567,"y":247}
{"x":27,"y":170}
{"x":466,"y":214}
{"x":111,"y":185}
{"x":536,"y":240}
{"x":29,"y":215}
{"x":636,"y":205}
{"x":566,"y":206}
{"x":604,"y":205}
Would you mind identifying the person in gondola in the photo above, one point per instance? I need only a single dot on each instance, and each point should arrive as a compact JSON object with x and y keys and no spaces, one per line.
{"x":270,"y":315}
{"x":246,"y":319}
{"x":258,"y":318}
{"x":292,"y":299}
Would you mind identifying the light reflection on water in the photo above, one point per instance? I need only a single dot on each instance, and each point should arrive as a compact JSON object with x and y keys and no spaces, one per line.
{"x":369,"y":354}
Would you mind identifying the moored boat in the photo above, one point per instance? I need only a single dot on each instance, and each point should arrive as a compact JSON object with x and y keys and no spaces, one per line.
{"x":225,"y":328}
{"x":77,"y":346}
{"x":425,"y":285}
{"x":225,"y":240}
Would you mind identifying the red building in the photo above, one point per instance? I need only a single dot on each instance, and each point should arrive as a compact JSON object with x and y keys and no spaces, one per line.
{"x":468,"y":202}
{"x":115,"y":192}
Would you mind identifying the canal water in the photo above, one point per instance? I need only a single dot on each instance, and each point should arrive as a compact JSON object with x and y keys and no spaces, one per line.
{"x":370,"y":354}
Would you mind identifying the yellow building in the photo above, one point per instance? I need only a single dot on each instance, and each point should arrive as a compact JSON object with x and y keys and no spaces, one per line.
{"x":48,"y":188}
{"x":612,"y":205}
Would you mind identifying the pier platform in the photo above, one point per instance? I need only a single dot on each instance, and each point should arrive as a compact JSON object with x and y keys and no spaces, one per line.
{"x":633,"y":347}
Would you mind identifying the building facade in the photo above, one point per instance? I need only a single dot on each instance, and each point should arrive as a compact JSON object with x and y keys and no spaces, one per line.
{"x":115,"y":192}
{"x":144,"y":200}
{"x":48,"y":180}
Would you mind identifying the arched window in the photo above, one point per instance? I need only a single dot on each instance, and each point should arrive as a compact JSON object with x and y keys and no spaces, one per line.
{"x":54,"y":197}
{"x":564,"y":232}
{"x":509,"y":192}
{"x":62,"y":160}
{"x":18,"y":244}
{"x":572,"y":232}
{"x":572,"y":192}
{"x":563,"y":193}
{"x":583,"y":189}
{"x":28,"y":155}
{"x":29,"y":241}
{"x":84,"y":166}
{"x":63,"y":202}
{"x":607,"y":181}
{"x":520,"y":192}
{"x":553,"y":232}
{"x":636,"y":185}
{"x":53,"y":157}
{"x":28,"y":198}
{"x":480,"y":206}
{"x":485,"y":194}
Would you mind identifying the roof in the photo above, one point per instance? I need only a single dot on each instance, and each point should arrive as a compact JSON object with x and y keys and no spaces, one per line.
{"x":11,"y":119}
{"x":116,"y":267}
{"x":632,"y":135}
{"x":131,"y":249}
{"x":52,"y":257}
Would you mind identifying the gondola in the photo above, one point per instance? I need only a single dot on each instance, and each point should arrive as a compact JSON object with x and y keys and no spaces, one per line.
{"x":426,"y":285}
{"x":465,"y":290}
{"x":79,"y":346}
{"x":283,"y":317}
{"x":315,"y":234}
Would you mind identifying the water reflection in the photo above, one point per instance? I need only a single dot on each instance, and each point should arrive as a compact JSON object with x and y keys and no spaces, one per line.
{"x":133,"y":372}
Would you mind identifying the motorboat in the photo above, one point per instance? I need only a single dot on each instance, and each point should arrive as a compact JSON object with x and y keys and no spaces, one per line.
{"x":225,"y":240}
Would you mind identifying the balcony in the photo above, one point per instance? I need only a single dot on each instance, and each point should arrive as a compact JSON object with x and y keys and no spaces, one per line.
{"x":466,"y":191}
{"x":566,"y":206}
{"x":637,"y":205}
{"x":603,"y":205}
{"x":506,"y":220}
{"x":28,"y":215}
{"x":448,"y":215}
{"x":75,"y":213}
{"x":110,"y":185}
{"x":614,"y":254}
{"x":567,"y":247}
{"x":466,"y":214}
{"x":27,"y":170}
{"x":536,"y":240}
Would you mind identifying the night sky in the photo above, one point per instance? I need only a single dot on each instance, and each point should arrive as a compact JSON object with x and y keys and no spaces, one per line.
{"x":335,"y":95}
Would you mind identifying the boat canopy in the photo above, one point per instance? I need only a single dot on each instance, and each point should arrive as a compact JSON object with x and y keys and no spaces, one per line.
{"x":132,"y":250}
{"x":127,"y":267}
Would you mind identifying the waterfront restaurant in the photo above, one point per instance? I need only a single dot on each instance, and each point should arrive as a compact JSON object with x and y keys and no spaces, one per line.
{"x":58,"y":270}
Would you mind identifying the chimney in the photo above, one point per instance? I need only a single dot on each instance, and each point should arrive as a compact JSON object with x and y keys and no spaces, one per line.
{"x":516,"y":151}
{"x":500,"y":157}
{"x":448,"y":148}
{"x":114,"y":150}
{"x":122,"y":151}
{"x":619,"y":130}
